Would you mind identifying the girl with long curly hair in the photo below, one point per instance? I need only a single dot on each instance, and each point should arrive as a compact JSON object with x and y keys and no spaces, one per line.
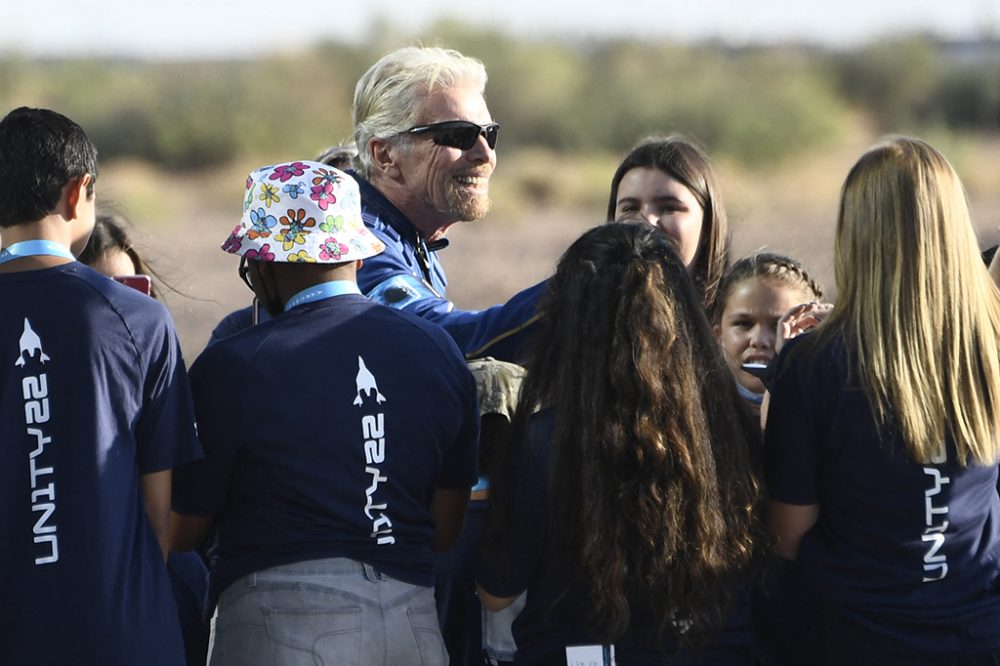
{"x":627,"y":505}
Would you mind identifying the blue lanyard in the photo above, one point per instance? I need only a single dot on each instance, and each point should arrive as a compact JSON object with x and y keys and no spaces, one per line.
{"x":750,"y":396}
{"x":33,"y":248}
{"x":320,"y":291}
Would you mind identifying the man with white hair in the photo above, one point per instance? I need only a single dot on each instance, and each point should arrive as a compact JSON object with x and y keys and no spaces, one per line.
{"x":427,"y":148}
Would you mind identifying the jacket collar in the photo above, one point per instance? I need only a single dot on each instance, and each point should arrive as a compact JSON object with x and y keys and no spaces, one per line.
{"x":376,"y":204}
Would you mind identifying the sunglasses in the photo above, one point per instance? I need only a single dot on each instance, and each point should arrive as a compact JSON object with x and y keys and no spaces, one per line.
{"x":460,"y":134}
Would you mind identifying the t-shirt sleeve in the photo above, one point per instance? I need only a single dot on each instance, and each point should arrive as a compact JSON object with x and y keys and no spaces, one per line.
{"x":459,"y":468}
{"x":165,"y":430}
{"x":201,"y":487}
{"x":791,"y":439}
{"x":506,"y":570}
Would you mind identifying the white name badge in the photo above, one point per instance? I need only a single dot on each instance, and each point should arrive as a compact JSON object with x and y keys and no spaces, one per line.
{"x":590,"y":655}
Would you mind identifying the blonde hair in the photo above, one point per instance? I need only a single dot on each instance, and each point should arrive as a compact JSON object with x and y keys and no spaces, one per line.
{"x":388,"y":96}
{"x":917,"y":302}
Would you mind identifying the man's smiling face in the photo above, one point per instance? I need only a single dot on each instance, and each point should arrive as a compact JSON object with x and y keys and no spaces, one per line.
{"x":445,"y":184}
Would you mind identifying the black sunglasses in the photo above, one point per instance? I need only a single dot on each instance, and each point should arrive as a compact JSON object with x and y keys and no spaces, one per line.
{"x":244,"y":271}
{"x":460,"y":134}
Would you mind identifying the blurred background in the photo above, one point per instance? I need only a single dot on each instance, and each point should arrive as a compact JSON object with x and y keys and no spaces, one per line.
{"x":184,"y":99}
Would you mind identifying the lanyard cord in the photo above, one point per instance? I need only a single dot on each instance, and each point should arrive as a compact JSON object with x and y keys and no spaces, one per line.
{"x":321,"y":291}
{"x":34,"y":248}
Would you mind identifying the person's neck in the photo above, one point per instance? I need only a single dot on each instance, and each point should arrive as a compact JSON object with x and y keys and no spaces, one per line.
{"x":294,"y":278}
{"x":52,"y":228}
{"x":752,"y":397}
{"x":431,"y":225}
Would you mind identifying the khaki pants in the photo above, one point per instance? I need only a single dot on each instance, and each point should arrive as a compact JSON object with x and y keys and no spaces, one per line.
{"x":325,"y":612}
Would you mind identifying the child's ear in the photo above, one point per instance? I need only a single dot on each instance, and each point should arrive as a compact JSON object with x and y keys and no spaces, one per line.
{"x":717,"y":330}
{"x":74,"y":193}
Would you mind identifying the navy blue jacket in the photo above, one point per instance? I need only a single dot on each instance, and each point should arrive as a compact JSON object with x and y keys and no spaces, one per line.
{"x":408,"y":276}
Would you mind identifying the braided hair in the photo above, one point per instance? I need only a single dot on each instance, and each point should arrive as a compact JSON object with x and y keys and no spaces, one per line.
{"x":766,"y":265}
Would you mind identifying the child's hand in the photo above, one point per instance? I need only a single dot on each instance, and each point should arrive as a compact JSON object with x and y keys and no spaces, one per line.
{"x":800,"y":319}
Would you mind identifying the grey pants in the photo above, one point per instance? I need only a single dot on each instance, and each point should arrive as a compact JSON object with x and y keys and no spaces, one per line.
{"x":334,"y":612}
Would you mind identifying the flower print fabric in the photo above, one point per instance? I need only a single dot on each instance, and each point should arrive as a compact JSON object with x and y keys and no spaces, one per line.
{"x":286,"y":172}
{"x":293,"y":190}
{"x":325,"y":177}
{"x":263,"y":254}
{"x":233,"y":243}
{"x":294,"y":227}
{"x":269,"y":194}
{"x":262,"y":224}
{"x":323,"y":195}
{"x":301,"y":257}
{"x":332,"y":224}
{"x":332,"y":250}
{"x":302,"y":212}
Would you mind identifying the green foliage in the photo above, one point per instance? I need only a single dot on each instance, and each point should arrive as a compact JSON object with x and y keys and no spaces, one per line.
{"x":914,"y":84}
{"x":757,"y":106}
{"x":891,"y":79}
{"x":967,"y":99}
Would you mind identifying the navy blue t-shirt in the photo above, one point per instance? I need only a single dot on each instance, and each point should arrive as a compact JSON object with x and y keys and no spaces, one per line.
{"x":555,"y":613}
{"x":93,"y":393}
{"x":326,"y":431}
{"x":908,"y":550}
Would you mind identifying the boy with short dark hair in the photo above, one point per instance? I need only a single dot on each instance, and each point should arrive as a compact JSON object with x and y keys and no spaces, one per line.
{"x":95,"y":411}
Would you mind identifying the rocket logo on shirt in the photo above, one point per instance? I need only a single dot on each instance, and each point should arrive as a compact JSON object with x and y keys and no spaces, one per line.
{"x":365,"y":383}
{"x":373,"y":432}
{"x":28,"y":344}
{"x":41,"y":462}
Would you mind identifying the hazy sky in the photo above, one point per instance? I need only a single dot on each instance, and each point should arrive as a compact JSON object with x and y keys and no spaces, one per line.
{"x":200,"y":28}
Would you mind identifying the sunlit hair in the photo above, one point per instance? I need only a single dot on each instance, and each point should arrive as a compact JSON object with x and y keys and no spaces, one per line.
{"x":40,"y":152}
{"x":768,"y":266}
{"x":686,"y":162}
{"x":388,"y":96}
{"x":110,"y":234}
{"x":917,"y":303}
{"x":651,"y":487}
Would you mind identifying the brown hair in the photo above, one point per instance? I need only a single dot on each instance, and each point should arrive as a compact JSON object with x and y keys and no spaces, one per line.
{"x":686,"y":162}
{"x":651,"y":485}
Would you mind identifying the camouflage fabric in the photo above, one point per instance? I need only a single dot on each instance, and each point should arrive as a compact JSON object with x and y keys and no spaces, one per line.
{"x":498,"y":384}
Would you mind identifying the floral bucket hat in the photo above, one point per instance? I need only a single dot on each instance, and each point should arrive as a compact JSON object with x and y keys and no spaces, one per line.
{"x":302,"y":212}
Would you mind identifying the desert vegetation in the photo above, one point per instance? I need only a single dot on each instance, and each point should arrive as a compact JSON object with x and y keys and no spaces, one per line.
{"x":782,"y":122}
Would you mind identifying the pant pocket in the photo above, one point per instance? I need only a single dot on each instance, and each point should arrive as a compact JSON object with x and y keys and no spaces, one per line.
{"x":427,"y":634}
{"x":314,"y":637}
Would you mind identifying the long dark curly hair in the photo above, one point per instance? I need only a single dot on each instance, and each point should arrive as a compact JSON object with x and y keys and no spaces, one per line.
{"x":652,"y":485}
